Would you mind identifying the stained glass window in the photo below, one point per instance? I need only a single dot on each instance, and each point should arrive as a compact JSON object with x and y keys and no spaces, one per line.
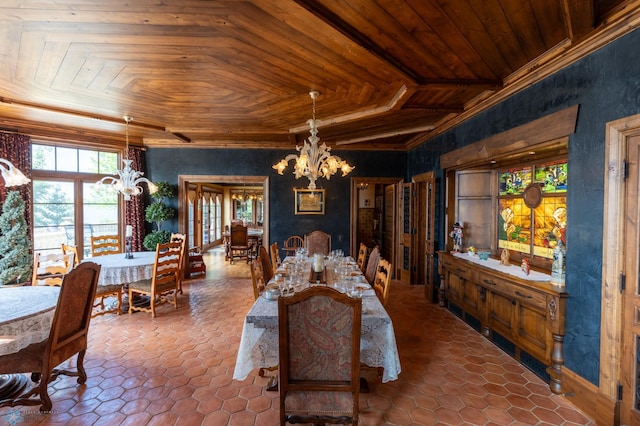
{"x":532,"y":208}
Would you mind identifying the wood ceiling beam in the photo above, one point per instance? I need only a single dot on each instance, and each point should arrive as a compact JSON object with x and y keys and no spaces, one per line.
{"x":356,"y":36}
{"x":459,"y":84}
{"x":435,"y":108}
{"x":579,"y":17}
{"x":66,"y":111}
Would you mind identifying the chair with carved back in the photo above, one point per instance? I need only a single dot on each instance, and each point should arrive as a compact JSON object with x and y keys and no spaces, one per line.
{"x":181,"y":238}
{"x":362,"y":257}
{"x":292,"y":244}
{"x":67,"y":248}
{"x":50,"y":269}
{"x":239,"y":244}
{"x":257,"y":278}
{"x":372,"y":265}
{"x":102,"y":245}
{"x":275,"y":256}
{"x":382,"y":281}
{"x":317,"y":242}
{"x":68,"y":336}
{"x":319,"y":356}
{"x":265,"y":261}
{"x":163,"y":287}
{"x":103,"y":291}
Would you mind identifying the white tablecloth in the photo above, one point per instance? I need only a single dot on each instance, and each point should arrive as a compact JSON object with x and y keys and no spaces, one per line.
{"x":26,"y":314}
{"x":118,"y":270}
{"x":259,"y":341}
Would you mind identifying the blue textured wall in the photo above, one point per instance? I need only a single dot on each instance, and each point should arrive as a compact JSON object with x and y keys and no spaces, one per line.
{"x":166,"y":164}
{"x":606,"y":85}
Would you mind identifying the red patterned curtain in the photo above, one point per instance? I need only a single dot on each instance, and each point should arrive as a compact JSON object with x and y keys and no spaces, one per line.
{"x":17,"y":149}
{"x":134,"y":209}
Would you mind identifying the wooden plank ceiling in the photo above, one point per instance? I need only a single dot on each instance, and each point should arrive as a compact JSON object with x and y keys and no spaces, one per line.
{"x":228,"y":73}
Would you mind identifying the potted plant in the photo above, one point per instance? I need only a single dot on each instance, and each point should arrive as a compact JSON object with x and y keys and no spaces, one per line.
{"x":157,"y":213}
{"x":16,"y":262}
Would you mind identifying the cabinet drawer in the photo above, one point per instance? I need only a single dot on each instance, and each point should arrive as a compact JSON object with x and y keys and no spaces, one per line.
{"x":457,"y":268}
{"x":508,"y":289}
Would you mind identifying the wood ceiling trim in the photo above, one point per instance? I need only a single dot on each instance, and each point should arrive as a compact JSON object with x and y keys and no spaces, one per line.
{"x":556,"y":59}
{"x":527,"y":136}
{"x":393,"y":103}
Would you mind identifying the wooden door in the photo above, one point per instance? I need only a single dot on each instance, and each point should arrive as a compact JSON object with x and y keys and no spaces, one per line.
{"x":424,"y":249}
{"x":406,"y":263}
{"x":630,"y":371}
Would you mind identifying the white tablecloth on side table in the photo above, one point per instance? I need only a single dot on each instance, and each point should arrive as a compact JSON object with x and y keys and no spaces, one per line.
{"x":26,"y":314}
{"x":118,"y":270}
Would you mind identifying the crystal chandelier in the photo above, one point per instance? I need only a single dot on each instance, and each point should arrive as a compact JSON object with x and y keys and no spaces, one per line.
{"x":11,"y":174}
{"x":245,"y":196}
{"x":314,"y":161}
{"x":130,"y":179}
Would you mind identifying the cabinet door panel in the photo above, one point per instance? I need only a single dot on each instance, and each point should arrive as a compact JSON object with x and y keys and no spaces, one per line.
{"x":472,"y":299}
{"x":532,"y":330}
{"x":501,"y":314}
{"x":455,"y":288}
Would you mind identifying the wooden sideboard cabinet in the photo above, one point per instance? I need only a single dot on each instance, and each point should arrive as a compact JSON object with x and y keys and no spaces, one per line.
{"x":523,"y":315}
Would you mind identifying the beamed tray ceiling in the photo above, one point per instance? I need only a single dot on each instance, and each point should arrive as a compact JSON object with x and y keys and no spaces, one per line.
{"x":199,"y":73}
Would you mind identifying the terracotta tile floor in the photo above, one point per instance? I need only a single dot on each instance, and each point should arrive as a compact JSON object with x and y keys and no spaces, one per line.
{"x":177,"y":369}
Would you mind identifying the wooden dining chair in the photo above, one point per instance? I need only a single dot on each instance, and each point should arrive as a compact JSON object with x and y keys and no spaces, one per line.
{"x":317,"y":242}
{"x":66,"y":248}
{"x":105,"y":244}
{"x":239,"y":244}
{"x":267,"y":268}
{"x":50,"y":269}
{"x":163,"y":287}
{"x":257,"y":278}
{"x":68,"y":336}
{"x":292,"y":244}
{"x":319,"y":356}
{"x":181,"y":238}
{"x":372,"y":265}
{"x":382,"y":281}
{"x":362,"y":257}
{"x":275,"y":256}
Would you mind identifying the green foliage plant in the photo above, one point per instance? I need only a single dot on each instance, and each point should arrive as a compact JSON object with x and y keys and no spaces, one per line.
{"x":157,"y":213}
{"x":16,"y":262}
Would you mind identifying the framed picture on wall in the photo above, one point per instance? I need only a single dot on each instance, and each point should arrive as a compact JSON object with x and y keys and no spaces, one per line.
{"x":309,"y":201}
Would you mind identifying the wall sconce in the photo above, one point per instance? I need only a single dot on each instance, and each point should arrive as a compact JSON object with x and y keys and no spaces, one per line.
{"x":11,"y":175}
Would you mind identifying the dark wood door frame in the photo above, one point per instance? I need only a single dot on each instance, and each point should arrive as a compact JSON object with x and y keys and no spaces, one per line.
{"x":183,"y":187}
{"x":353,"y":227}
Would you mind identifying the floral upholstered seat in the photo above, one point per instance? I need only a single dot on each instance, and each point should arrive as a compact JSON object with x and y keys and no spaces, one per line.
{"x":319,"y":356}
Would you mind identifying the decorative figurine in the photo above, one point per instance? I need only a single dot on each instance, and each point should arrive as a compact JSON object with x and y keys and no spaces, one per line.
{"x":558,"y":266}
{"x":504,"y":257}
{"x":526,"y":268}
{"x":456,"y":234}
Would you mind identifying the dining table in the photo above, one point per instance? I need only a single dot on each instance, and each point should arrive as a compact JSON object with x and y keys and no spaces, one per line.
{"x":259,"y":339}
{"x":26,"y":314}
{"x":118,"y":269}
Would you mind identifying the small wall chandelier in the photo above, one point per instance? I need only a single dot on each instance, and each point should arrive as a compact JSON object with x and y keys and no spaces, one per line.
{"x":11,"y":174}
{"x":314,"y":161}
{"x":130,"y":179}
